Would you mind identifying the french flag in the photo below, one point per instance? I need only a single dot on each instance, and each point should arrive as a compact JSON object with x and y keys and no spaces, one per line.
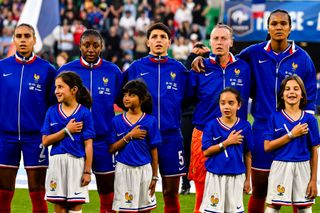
{"x":258,"y":7}
{"x":43,"y":15}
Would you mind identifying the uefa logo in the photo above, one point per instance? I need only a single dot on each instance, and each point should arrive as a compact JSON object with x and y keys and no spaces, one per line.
{"x":239,"y":19}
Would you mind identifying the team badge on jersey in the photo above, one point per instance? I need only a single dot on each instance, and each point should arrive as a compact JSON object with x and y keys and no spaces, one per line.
{"x":128,"y":197}
{"x":104,"y":90}
{"x":53,"y":185}
{"x":280,"y":190}
{"x":35,"y":85}
{"x":214,"y":201}
{"x":236,"y":71}
{"x":171,"y":84}
{"x":105,"y":81}
{"x":173,"y":76}
{"x":294,"y":66}
{"x":36,"y":78}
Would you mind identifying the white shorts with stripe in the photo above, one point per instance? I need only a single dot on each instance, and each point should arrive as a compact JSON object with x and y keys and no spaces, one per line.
{"x":63,"y":181}
{"x":223,"y":193}
{"x":288,"y":182}
{"x":131,"y":188}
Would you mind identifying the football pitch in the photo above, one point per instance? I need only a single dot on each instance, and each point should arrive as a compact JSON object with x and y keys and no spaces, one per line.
{"x":21,"y":203}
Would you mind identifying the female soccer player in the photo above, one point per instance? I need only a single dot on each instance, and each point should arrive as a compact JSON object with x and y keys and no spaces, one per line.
{"x":68,"y":127}
{"x":25,"y":85}
{"x":104,"y":81}
{"x":167,"y":81}
{"x":136,"y":137}
{"x":293,"y":137}
{"x":227,"y":142}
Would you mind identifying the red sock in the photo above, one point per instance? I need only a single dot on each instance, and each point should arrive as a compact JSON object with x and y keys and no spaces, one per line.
{"x":106,"y":203}
{"x":5,"y":200}
{"x":294,"y":209}
{"x":256,"y":205}
{"x":171,"y":204}
{"x":38,"y":202}
{"x":199,"y":196}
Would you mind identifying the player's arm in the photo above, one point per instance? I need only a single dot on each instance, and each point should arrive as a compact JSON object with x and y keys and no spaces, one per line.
{"x":154,"y":164}
{"x":312,"y":186}
{"x":234,"y":137}
{"x":72,"y":127}
{"x":135,"y":133}
{"x":297,"y":131}
{"x":86,"y":177}
{"x":247,"y":162}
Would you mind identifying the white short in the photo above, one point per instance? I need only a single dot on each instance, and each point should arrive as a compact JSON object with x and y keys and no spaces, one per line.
{"x":288,"y":182}
{"x":131,"y":188}
{"x":63,"y":181}
{"x":223,"y":193}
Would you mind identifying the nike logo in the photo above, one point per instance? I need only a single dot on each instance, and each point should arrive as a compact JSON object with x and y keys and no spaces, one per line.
{"x":144,"y":73}
{"x":41,"y":160}
{"x":52,"y":124}
{"x":262,"y":61}
{"x":6,"y":74}
{"x":77,"y":193}
{"x":216,"y":138}
{"x":181,"y":168}
{"x":238,"y":207}
{"x":207,"y":74}
{"x":119,"y":134}
{"x":152,"y":200}
{"x":276,"y":130}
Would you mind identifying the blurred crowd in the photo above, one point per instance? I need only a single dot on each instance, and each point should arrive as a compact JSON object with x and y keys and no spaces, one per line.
{"x":122,"y":23}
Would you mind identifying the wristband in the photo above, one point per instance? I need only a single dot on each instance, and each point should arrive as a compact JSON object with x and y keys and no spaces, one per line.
{"x":86,"y":172}
{"x":125,"y":140}
{"x":290,"y":135}
{"x":155,"y":178}
{"x":221,"y":146}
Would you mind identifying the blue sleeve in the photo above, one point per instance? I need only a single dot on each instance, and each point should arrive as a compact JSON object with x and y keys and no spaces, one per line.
{"x":248,"y":145}
{"x":45,"y":130}
{"x":313,"y":136}
{"x":310,"y":82}
{"x":154,"y":135}
{"x":269,"y":131}
{"x":88,"y":129}
{"x":207,"y":137}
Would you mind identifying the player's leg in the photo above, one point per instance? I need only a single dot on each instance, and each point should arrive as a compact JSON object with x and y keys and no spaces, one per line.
{"x":170,"y":187}
{"x":197,"y":170}
{"x":103,"y":166}
{"x":172,"y":166}
{"x":9,"y":164}
{"x":35,"y":157}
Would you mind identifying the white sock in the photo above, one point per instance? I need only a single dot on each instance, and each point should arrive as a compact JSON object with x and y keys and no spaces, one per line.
{"x":71,"y":211}
{"x":271,"y":210}
{"x":306,"y":210}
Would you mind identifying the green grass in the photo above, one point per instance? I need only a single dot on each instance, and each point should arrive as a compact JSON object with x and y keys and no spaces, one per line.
{"x":21,"y":203}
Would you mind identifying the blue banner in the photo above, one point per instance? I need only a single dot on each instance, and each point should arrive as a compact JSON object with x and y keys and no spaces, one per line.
{"x":305,"y":20}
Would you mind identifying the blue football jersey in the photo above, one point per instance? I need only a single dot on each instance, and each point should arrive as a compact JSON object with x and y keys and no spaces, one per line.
{"x":298,"y":149}
{"x":230,"y":161}
{"x":137,"y":152}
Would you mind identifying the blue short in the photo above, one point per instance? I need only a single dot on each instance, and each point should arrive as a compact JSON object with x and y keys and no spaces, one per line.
{"x":171,"y":154}
{"x":35,"y":155}
{"x":103,"y":161}
{"x":260,"y":159}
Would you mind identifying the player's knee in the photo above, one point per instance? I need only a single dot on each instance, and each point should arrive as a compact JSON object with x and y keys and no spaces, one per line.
{"x":305,"y":210}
